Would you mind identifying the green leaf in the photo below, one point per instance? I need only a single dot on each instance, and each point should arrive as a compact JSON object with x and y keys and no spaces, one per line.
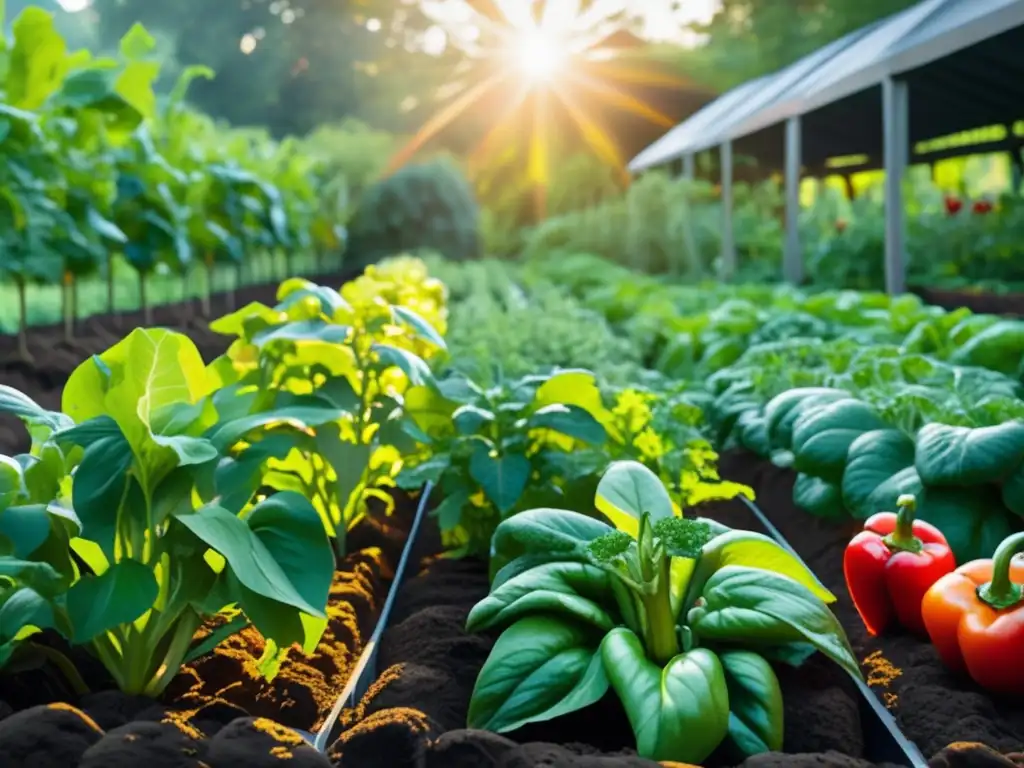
{"x":997,"y":348}
{"x":411,"y":365}
{"x":819,"y":497}
{"x":39,"y":420}
{"x":468,"y":419}
{"x":822,"y":437}
{"x":541,"y":668}
{"x":37,"y":60}
{"x":568,"y":589}
{"x":543,"y":531}
{"x":755,"y":703}
{"x":95,"y":604}
{"x":449,"y":511}
{"x":250,"y":560}
{"x":753,"y":550}
{"x":349,"y":461}
{"x":421,"y":328}
{"x":26,"y":527}
{"x":99,"y":489}
{"x":627,"y":490}
{"x":782,"y":411}
{"x":1013,"y":491}
{"x":569,"y":420}
{"x":754,"y":605}
{"x":876,"y":472}
{"x":302,"y":332}
{"x":503,"y":478}
{"x":302,"y":418}
{"x":289,"y":528}
{"x":679,"y":713}
{"x":25,"y":608}
{"x":973,"y":520}
{"x":948,"y":455}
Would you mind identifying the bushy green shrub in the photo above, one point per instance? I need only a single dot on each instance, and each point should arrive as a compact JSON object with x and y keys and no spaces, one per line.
{"x":425,"y":207}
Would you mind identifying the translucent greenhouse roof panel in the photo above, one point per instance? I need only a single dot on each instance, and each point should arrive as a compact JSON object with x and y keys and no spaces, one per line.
{"x":861,"y":64}
{"x":677,"y":142}
{"x":781,"y":84}
{"x":959,"y":24}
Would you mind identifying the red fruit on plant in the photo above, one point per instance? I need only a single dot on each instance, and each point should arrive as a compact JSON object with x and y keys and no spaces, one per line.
{"x":982,"y":206}
{"x":953,"y":205}
{"x":891,"y":564}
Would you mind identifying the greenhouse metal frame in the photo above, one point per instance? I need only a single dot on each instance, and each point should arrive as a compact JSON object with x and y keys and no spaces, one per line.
{"x":934,"y":69}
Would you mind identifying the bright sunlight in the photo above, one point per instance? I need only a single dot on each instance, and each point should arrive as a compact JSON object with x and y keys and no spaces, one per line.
{"x":539,"y":55}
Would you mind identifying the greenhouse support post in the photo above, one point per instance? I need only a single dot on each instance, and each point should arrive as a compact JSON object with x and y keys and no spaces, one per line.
{"x":688,"y":169}
{"x":792,"y":265}
{"x":728,"y":243}
{"x":896,"y":129}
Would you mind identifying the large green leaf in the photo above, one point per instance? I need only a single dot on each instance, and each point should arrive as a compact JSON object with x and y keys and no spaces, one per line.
{"x":947,"y":455}
{"x":782,"y":411}
{"x":26,"y":527}
{"x":544,"y":532}
{"x":99,"y":488}
{"x":819,"y":497}
{"x":627,"y":490}
{"x":997,"y":348}
{"x":420,"y":327}
{"x":37,"y":61}
{"x":542,"y":667}
{"x":755,"y":703}
{"x":503,"y":477}
{"x":410,"y":364}
{"x":679,"y":713}
{"x":250,"y":560}
{"x":877,"y":472}
{"x":973,"y":520}
{"x":570,"y":589}
{"x":569,"y":420}
{"x":752,"y":605}
{"x":822,"y":437}
{"x":753,"y":550}
{"x":124,"y":592}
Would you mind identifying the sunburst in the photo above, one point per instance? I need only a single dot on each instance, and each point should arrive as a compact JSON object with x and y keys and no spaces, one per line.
{"x":541,"y":58}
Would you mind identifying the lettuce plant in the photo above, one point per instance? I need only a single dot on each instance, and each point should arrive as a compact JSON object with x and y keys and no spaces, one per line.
{"x":680,"y":617}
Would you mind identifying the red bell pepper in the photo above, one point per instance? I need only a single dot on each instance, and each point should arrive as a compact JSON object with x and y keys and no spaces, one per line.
{"x":975,"y":618}
{"x":891,"y":564}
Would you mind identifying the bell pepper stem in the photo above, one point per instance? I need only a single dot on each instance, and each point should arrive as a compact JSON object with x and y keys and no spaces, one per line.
{"x":902,"y":539}
{"x":1001,"y":592}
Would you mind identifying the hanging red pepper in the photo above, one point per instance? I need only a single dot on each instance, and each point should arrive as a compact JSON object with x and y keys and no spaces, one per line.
{"x":891,"y":564}
{"x":953,"y":205}
{"x":981,"y":207}
{"x":975,"y":618}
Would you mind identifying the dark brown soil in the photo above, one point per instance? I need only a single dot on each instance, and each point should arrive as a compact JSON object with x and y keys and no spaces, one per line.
{"x":932,"y":706}
{"x":1011,"y":304}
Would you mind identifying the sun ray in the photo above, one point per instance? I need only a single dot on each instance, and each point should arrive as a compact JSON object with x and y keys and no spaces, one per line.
{"x":538,"y":165}
{"x":612,"y":95}
{"x":441,"y":119}
{"x":593,"y":134}
{"x":500,"y":128}
{"x":624,"y":73}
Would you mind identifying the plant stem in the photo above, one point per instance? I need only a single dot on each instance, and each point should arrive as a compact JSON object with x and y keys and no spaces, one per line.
{"x":661,"y":640}
{"x":1002,"y":592}
{"x":903,"y":539}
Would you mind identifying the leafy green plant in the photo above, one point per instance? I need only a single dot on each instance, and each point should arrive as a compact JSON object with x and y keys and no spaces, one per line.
{"x":121,"y":490}
{"x":320,"y":379}
{"x":420,"y":207}
{"x":680,"y":617}
{"x":498,"y":450}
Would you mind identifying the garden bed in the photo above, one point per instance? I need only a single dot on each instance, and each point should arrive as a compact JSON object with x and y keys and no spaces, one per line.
{"x":932,"y":706}
{"x":219,"y":706}
{"x":414,"y":714}
{"x":1011,"y":304}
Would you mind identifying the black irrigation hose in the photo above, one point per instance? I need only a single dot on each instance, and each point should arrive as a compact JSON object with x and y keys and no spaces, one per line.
{"x":356,"y":684}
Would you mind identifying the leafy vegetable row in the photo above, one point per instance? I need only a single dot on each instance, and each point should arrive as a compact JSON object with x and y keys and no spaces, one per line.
{"x":98,"y":169}
{"x":168,"y":492}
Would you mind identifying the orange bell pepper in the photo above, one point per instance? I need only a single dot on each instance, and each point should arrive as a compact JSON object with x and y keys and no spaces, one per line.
{"x":975,"y":619}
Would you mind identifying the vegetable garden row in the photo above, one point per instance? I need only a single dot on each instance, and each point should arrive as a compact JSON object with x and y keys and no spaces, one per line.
{"x":107,"y":186}
{"x":195,"y":551}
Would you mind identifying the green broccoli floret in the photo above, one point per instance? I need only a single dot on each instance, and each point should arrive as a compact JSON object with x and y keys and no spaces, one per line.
{"x":606,"y":548}
{"x":682,"y":537}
